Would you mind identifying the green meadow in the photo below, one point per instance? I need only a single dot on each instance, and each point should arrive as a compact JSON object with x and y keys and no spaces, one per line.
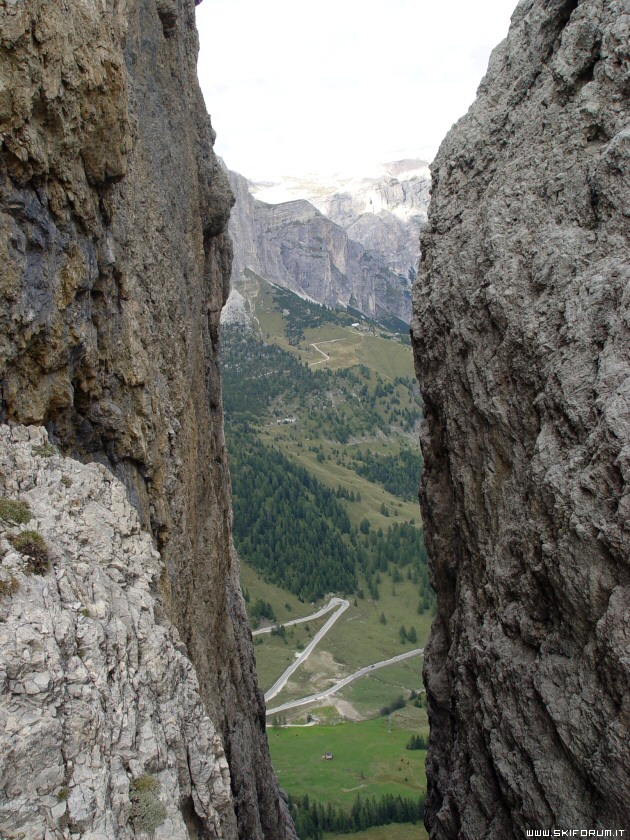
{"x":333,"y":473}
{"x":358,"y":638}
{"x":367,"y":759}
{"x":404,"y":831}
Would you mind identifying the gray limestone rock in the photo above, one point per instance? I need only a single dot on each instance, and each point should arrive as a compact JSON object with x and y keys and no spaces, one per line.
{"x":98,"y":699}
{"x":522,"y":346}
{"x":355,"y":248}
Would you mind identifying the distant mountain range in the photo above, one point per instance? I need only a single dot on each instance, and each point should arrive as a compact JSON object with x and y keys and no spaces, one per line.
{"x":341,"y":241}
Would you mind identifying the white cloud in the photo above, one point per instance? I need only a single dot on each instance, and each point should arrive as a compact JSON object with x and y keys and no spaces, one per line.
{"x":295,"y":88}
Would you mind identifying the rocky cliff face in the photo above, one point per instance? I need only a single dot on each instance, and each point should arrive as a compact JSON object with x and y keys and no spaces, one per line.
{"x":522,"y":345}
{"x":103,"y":729}
{"x":115,"y":268}
{"x":355,"y":248}
{"x":383,"y":210}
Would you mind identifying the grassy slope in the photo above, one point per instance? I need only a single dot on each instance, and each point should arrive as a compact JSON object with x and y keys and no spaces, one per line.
{"x":390,"y":358}
{"x":358,"y":638}
{"x":333,"y":474}
{"x":367,"y":759}
{"x":274,"y":654}
{"x":278,"y":598}
{"x":379,"y":689}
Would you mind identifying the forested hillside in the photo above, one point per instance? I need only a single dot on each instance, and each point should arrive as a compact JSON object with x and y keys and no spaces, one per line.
{"x":305,"y":437}
{"x":322,"y":414}
{"x":287,"y":524}
{"x":296,"y":532}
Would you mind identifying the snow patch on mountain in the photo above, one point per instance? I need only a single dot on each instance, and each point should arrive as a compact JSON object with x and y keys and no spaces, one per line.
{"x":399,"y":187}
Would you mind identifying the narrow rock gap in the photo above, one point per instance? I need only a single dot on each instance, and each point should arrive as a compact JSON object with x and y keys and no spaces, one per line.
{"x":564,"y":13}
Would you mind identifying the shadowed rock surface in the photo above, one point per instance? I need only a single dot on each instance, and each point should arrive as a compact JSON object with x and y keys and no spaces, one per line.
{"x":115,"y":267}
{"x":522,"y":344}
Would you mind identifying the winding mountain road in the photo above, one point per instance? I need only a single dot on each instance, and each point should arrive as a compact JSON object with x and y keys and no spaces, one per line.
{"x":312,"y":698}
{"x":325,"y":355}
{"x":332,"y":603}
{"x":277,"y":687}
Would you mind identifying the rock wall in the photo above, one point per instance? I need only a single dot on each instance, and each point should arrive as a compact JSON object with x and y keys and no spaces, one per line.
{"x":385,"y":214}
{"x":522,"y":346}
{"x":98,"y":699}
{"x":115,"y":268}
{"x":383,"y":209}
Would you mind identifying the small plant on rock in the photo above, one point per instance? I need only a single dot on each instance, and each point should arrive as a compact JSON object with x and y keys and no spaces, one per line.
{"x":8,"y":587}
{"x":147,"y":812}
{"x":33,"y":546}
{"x":14,"y":511}
{"x":44,"y":450}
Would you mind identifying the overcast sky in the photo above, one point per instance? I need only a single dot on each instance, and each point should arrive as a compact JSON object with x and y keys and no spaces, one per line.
{"x":337,"y":85}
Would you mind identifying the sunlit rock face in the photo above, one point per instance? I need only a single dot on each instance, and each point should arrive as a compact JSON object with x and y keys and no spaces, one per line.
{"x":522,"y":347}
{"x":115,"y":266}
{"x":383,"y":208}
{"x":98,"y":698}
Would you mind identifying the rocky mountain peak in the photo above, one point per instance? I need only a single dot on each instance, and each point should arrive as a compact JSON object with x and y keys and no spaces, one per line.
{"x":399,"y":188}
